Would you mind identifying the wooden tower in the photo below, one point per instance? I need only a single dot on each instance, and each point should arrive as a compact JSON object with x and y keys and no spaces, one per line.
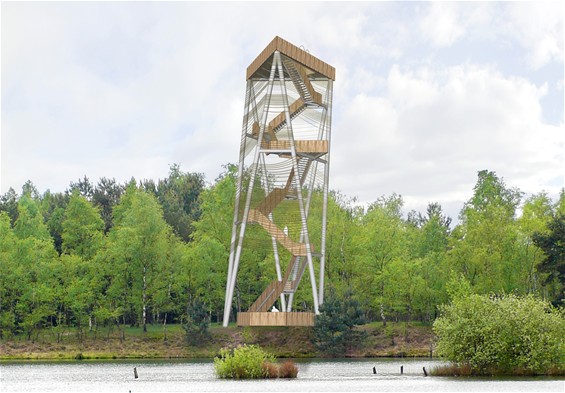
{"x":282,"y":177}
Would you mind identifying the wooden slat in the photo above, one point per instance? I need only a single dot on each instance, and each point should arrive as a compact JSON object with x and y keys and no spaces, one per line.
{"x":268,"y":297}
{"x":292,"y":246}
{"x":279,"y":120}
{"x":272,"y":200}
{"x":293,"y":52}
{"x":275,"y":319}
{"x":276,"y":196}
{"x":294,"y":108}
{"x":302,"y":146}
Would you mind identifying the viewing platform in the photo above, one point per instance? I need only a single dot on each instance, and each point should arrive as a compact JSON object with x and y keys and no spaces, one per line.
{"x":275,"y":318}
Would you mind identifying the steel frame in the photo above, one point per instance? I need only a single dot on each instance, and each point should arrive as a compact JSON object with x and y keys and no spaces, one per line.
{"x":286,"y":135}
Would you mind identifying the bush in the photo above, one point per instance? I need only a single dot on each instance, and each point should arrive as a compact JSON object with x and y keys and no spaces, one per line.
{"x":251,"y":362}
{"x":502,"y":335}
{"x":335,"y":330}
{"x":270,"y":370}
{"x":197,"y":323}
{"x":243,"y":362}
{"x":288,"y":370}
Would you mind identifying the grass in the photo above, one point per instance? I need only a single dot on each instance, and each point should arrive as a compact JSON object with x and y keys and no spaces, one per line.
{"x":465,"y":370}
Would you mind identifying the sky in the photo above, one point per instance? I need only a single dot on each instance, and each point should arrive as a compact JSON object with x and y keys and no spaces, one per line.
{"x":426,"y":93}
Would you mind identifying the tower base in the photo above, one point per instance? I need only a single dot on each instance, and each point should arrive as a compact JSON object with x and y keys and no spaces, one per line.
{"x":275,"y":319}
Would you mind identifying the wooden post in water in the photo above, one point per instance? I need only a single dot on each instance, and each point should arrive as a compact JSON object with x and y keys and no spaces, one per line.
{"x":425,"y":373}
{"x":135,"y":372}
{"x":401,"y":370}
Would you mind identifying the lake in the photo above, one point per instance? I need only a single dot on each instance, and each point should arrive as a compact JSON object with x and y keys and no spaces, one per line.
{"x":315,"y":375}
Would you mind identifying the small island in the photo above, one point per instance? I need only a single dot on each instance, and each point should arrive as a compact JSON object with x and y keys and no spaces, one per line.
{"x":252,"y":362}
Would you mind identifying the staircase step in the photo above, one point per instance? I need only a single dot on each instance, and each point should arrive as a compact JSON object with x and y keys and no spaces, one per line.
{"x":292,"y":246}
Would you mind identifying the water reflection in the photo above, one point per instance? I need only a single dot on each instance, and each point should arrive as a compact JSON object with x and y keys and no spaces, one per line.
{"x":343,"y":375}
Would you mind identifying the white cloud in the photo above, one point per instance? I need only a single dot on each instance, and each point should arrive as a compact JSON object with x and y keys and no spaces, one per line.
{"x":430,"y":133}
{"x":423,"y":98}
{"x":538,"y":26}
{"x":442,"y":25}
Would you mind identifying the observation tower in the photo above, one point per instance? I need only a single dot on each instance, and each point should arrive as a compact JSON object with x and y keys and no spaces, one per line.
{"x":282,"y":178}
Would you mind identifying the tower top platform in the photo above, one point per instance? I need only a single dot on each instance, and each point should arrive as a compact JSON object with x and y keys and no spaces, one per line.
{"x":261,"y":66}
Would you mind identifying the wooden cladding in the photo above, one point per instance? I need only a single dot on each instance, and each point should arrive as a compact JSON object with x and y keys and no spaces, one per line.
{"x":295,"y":53}
{"x":302,"y":146}
{"x":275,"y":319}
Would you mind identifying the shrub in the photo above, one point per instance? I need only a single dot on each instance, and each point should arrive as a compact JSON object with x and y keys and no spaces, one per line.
{"x":288,"y":369}
{"x":251,"y":362}
{"x":502,"y":335}
{"x":335,"y":330}
{"x":197,"y":323}
{"x":270,"y":370}
{"x":243,"y":362}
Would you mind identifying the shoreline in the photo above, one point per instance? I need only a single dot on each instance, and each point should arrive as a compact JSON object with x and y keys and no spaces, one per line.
{"x":394,"y":341}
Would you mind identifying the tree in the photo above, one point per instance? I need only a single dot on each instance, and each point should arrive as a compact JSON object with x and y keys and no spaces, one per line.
{"x":82,"y":228}
{"x":10,"y":279}
{"x":484,"y":247}
{"x":380,"y":240}
{"x":552,"y":243}
{"x":9,"y":204}
{"x":107,"y":194}
{"x":206,"y":269}
{"x":33,"y":258}
{"x":343,"y":216}
{"x":334,"y":331}
{"x":536,"y":214}
{"x":137,"y":250}
{"x":83,"y":187}
{"x":179,"y":197}
{"x":30,"y":220}
{"x":52,"y":207}
{"x":491,"y":198}
{"x":197,"y":322}
{"x":500,"y":334}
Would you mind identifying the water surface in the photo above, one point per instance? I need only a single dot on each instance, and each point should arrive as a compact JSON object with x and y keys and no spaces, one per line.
{"x":344,"y":375}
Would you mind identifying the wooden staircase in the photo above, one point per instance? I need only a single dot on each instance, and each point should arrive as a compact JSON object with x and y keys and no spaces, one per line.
{"x":301,"y":81}
{"x":308,"y":96}
{"x":309,"y":149}
{"x":276,"y":288}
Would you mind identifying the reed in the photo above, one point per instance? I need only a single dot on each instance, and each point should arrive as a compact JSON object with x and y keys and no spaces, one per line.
{"x":465,"y":370}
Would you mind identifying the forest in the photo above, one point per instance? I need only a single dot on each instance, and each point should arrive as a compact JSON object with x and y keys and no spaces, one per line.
{"x":99,"y":257}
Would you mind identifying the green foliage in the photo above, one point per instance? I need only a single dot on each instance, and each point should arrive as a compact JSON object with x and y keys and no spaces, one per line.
{"x":501,"y":334}
{"x":30,"y":221}
{"x":552,"y":242}
{"x":82,"y":228}
{"x":107,"y":255}
{"x":9,"y":205}
{"x":197,"y":323}
{"x":334,"y":329}
{"x":178,"y":196}
{"x":243,"y":362}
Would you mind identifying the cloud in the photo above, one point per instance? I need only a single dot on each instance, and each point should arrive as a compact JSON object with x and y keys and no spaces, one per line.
{"x":432,"y":130}
{"x":426,"y":94}
{"x":442,"y":24}
{"x":538,"y":27}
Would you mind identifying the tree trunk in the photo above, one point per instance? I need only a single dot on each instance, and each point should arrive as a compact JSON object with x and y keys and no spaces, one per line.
{"x":165,"y":327}
{"x":144,"y":301}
